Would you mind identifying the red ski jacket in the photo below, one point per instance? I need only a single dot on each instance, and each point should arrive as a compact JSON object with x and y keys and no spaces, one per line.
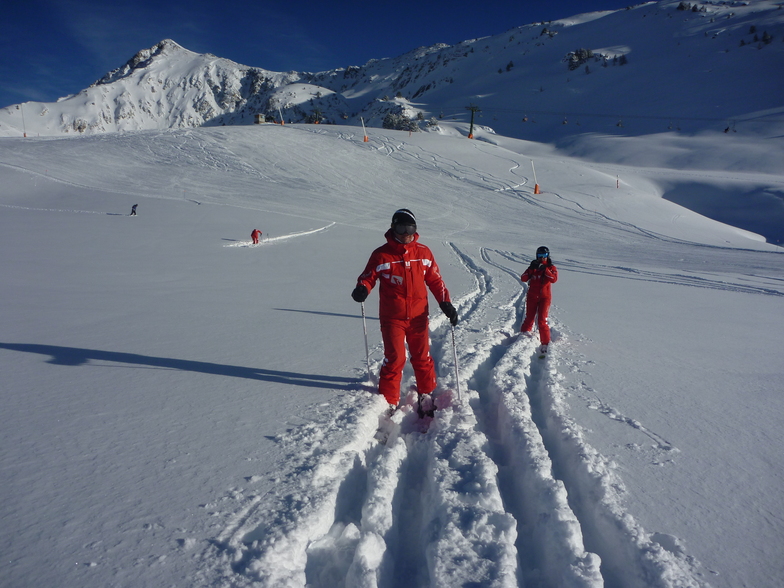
{"x":539,"y":280}
{"x":404,"y":272}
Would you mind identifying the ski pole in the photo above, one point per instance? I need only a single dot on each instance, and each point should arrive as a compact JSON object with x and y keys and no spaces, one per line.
{"x":457,"y":371}
{"x":367,"y":351}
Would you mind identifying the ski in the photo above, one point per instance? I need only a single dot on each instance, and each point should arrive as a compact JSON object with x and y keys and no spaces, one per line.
{"x":389,"y":425}
{"x":425,"y":406}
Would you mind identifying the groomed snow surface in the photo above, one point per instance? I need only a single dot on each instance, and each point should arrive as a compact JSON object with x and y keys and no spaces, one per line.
{"x":184,"y":408}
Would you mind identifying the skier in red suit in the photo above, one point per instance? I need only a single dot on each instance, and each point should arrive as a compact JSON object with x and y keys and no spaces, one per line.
{"x":406,"y":270}
{"x":255,"y":236}
{"x":540,"y":275}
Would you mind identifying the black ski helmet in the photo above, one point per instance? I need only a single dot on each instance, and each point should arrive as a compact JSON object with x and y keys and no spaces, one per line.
{"x":543,"y":251}
{"x":403,"y":216}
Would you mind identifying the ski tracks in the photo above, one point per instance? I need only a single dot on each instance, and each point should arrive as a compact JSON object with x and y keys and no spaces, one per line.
{"x":499,"y":489}
{"x":267,"y":239}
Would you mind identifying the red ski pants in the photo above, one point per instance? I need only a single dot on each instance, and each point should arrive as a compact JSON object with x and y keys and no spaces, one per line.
{"x":396,"y":333}
{"x":537,"y":306}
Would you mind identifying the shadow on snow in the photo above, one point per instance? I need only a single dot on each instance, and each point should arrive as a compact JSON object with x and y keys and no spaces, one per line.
{"x":75,"y":356}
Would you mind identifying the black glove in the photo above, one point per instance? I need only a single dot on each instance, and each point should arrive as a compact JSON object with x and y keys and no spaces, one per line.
{"x":535,"y":264}
{"x":360,"y":293}
{"x":449,"y":311}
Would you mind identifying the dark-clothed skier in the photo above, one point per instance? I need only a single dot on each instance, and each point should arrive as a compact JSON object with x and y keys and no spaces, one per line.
{"x":406,"y":270}
{"x":540,"y":275}
{"x":133,"y":209}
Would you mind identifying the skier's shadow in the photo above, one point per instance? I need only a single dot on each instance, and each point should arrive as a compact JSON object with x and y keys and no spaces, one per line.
{"x":370,"y":318}
{"x":75,"y":356}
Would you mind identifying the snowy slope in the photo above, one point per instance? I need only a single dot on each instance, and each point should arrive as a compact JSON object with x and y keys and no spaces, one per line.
{"x":714,"y":67}
{"x":183,"y":408}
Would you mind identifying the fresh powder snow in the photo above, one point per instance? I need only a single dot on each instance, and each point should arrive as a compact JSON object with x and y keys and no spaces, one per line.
{"x":182,"y":407}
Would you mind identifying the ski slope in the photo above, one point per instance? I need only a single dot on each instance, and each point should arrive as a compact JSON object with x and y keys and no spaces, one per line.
{"x":181,"y":407}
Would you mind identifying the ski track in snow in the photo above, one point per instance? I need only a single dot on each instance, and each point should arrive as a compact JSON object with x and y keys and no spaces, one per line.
{"x":499,"y":489}
{"x":73,"y":211}
{"x":749,"y":284}
{"x":266,"y":240}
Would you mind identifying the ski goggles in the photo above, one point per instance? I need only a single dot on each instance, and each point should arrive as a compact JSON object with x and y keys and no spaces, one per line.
{"x":540,"y":255}
{"x":401,"y":229}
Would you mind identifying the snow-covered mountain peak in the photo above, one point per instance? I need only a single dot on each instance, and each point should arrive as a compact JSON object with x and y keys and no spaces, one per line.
{"x":652,"y":68}
{"x":166,"y":49}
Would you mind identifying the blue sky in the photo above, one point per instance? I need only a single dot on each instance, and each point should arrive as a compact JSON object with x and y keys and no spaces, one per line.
{"x":52,"y":48}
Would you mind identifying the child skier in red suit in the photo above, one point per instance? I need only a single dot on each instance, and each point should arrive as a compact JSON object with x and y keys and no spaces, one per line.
{"x":539,"y":275}
{"x":406,"y":270}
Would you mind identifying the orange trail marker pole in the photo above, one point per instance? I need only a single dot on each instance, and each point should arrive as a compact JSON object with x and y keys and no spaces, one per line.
{"x":536,"y":184}
{"x":364,"y":132}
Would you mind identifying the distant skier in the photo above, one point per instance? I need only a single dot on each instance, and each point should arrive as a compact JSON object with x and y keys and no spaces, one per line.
{"x":133,"y":209}
{"x":255,"y":236}
{"x":539,"y":275}
{"x":406,"y":269}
